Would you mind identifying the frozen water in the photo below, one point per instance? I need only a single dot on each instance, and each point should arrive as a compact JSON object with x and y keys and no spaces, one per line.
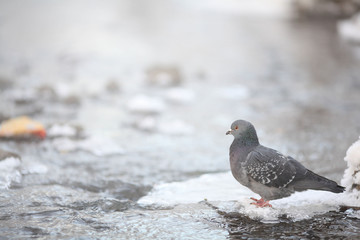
{"x":146,"y":104}
{"x":351,"y":179}
{"x":9,"y":171}
{"x":350,"y":29}
{"x":224,"y":192}
{"x":230,"y":59}
{"x":97,"y":145}
{"x":175,"y":127}
{"x":235,"y":92}
{"x":180,"y":95}
{"x":61,"y":130}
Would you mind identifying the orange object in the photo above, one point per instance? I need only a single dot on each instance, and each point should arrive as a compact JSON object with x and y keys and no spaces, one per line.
{"x":22,"y":126}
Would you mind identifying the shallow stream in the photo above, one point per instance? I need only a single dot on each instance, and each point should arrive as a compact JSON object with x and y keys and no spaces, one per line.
{"x":148,"y":91}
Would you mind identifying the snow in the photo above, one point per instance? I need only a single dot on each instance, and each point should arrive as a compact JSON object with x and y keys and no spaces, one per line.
{"x":224,"y":192}
{"x":350,"y":29}
{"x":147,"y":123}
{"x":352,"y":173}
{"x":180,"y":95}
{"x":146,"y":104}
{"x":235,"y":92}
{"x":9,"y":171}
{"x":174,"y":127}
{"x":99,"y":146}
{"x":62,"y":130}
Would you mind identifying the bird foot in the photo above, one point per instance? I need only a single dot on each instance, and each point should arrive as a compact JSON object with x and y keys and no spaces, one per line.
{"x":260,"y":202}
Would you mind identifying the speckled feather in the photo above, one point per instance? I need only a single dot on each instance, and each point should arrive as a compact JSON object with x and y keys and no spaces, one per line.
{"x":269,"y":167}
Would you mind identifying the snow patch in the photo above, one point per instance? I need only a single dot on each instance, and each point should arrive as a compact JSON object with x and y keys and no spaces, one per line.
{"x":62,"y":130}
{"x":9,"y":171}
{"x":165,"y":126}
{"x":99,"y":146}
{"x":351,"y":178}
{"x":224,"y":192}
{"x":175,"y":127}
{"x":350,"y":29}
{"x":235,"y":92}
{"x":180,"y":95}
{"x":146,"y":104}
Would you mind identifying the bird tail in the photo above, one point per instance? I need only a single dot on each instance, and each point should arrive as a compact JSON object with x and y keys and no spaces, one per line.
{"x":317,"y":182}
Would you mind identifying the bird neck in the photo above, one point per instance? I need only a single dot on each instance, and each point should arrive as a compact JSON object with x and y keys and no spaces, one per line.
{"x":249,"y":138}
{"x":246,"y":142}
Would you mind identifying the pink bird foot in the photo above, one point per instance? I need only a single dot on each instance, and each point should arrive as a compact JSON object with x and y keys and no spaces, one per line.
{"x":260,"y":202}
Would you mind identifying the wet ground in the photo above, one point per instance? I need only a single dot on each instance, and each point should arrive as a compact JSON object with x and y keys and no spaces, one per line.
{"x":155,"y":86}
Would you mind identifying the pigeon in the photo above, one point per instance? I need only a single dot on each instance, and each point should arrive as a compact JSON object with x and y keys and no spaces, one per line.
{"x":268,"y":172}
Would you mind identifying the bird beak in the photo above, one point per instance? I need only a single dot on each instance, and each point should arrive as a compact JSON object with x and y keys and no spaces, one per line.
{"x":229,"y":132}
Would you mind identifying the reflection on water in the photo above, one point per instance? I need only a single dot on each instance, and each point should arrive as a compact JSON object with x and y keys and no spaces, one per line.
{"x":198,"y":67}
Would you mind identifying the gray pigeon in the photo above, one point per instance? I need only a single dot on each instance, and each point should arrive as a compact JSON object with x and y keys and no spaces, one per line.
{"x":266,"y":171}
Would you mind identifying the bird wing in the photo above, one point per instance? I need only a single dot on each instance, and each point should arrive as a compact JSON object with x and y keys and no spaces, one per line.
{"x":270,"y":167}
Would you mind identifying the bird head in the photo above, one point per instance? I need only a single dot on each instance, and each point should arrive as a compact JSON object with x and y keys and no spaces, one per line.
{"x":243,"y":129}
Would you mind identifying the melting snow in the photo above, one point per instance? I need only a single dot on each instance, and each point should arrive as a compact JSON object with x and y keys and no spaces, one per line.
{"x":224,"y":192}
{"x":9,"y":171}
{"x":166,"y":126}
{"x":62,"y":130}
{"x":235,"y":92}
{"x":96,"y":145}
{"x":180,"y":95}
{"x":351,"y":177}
{"x":350,"y":29}
{"x":146,"y":104}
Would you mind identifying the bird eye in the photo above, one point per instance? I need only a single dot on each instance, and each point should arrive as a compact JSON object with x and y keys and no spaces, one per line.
{"x":236,"y":127}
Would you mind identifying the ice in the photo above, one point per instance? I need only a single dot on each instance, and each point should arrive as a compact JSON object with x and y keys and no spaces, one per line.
{"x":146,"y":104}
{"x":350,"y":29}
{"x":175,"y":127}
{"x":98,"y":145}
{"x":9,"y":171}
{"x":165,"y":126}
{"x":195,"y":190}
{"x":180,"y":95}
{"x":24,"y":95}
{"x":353,"y":213}
{"x":275,"y":8}
{"x":224,"y":192}
{"x":235,"y":92}
{"x":62,"y":130}
{"x":33,"y":167}
{"x":147,"y":123}
{"x":351,"y":178}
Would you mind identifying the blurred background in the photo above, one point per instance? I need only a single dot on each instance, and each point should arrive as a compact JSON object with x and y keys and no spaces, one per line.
{"x":133,"y":93}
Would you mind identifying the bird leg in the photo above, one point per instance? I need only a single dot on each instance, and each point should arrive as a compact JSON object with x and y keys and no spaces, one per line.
{"x":260,"y":202}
